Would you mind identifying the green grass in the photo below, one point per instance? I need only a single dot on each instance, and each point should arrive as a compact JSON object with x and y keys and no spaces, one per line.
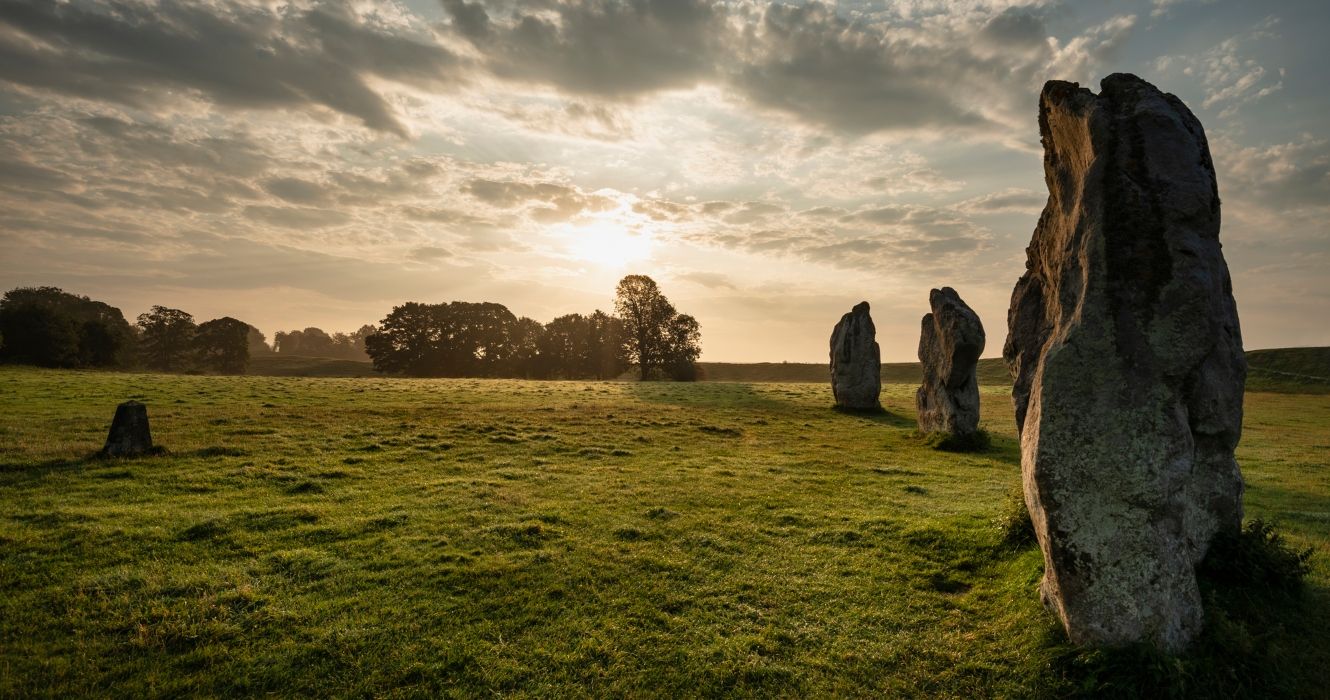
{"x":300,"y":366}
{"x":1283,"y":370}
{"x":990,"y":371}
{"x":1289,"y":370}
{"x":390,"y":537}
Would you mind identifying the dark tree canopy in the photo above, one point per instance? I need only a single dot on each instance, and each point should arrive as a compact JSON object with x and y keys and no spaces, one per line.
{"x":657,"y":338}
{"x":315,"y":342}
{"x":222,"y":345}
{"x":465,"y":339}
{"x":581,"y":347}
{"x":257,"y":342}
{"x":50,"y":327}
{"x":166,"y":338}
{"x":683,"y":338}
{"x":458,"y":339}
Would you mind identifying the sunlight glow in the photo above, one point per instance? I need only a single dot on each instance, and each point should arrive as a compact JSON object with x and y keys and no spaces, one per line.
{"x":607,"y":244}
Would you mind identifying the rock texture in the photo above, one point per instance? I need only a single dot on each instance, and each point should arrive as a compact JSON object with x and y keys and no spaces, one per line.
{"x":950,"y":342}
{"x":856,"y":362}
{"x":1124,"y":345}
{"x":129,"y":436}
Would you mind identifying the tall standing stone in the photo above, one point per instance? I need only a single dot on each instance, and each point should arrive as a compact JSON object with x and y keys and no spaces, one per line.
{"x":129,"y":436}
{"x":950,"y":341}
{"x":1124,"y":345}
{"x":856,"y":361}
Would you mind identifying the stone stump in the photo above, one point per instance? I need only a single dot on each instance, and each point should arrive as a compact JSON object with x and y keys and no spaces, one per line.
{"x":129,"y":436}
{"x":1124,"y":345}
{"x":950,"y":341}
{"x":856,"y":361}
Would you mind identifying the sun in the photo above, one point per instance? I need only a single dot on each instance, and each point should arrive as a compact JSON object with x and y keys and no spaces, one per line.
{"x":607,"y":244}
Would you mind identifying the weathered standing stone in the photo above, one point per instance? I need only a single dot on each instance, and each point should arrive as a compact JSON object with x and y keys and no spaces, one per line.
{"x":1124,"y":344}
{"x":950,"y":342}
{"x":856,"y":362}
{"x":129,"y":436}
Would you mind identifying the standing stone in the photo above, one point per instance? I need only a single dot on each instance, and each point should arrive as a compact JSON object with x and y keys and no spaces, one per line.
{"x":856,"y":362}
{"x":950,"y":342}
{"x":129,"y":436}
{"x":1124,"y":345}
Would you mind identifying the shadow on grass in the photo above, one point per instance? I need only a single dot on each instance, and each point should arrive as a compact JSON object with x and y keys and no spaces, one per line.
{"x":1004,"y":448}
{"x":14,"y":473}
{"x":706,"y":395}
{"x":880,"y":416}
{"x":17,"y":472}
{"x":50,"y":465}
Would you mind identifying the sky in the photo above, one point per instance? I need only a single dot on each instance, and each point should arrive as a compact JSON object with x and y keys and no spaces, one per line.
{"x":305,"y":163}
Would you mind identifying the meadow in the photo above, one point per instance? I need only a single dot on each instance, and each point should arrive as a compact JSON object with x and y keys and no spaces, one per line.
{"x":421,"y":538}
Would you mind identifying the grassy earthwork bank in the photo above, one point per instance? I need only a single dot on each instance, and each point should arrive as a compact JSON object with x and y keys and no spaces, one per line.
{"x":420,"y":538}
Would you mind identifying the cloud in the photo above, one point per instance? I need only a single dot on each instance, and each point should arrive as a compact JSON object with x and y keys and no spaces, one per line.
{"x":819,"y":66}
{"x":297,"y":217}
{"x":556,"y":201}
{"x":902,"y":69}
{"x":296,"y":190}
{"x":1231,"y":79}
{"x":615,"y":50}
{"x":250,"y":56}
{"x":892,"y":237}
{"x":710,"y":280}
{"x":1011,"y":200}
{"x":19,"y":174}
{"x":429,"y":253}
{"x":1281,"y":179}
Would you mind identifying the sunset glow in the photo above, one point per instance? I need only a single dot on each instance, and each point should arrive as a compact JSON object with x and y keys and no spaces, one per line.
{"x":608,"y":245}
{"x":311,"y":163}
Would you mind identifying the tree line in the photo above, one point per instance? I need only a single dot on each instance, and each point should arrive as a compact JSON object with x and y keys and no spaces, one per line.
{"x":469,"y":339}
{"x":50,"y":327}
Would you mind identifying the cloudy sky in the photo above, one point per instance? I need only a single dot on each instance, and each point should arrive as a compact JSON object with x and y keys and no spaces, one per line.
{"x":297,"y":163}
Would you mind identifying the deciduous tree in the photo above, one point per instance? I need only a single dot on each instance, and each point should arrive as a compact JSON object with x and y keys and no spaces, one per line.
{"x":656,"y":337}
{"x":50,"y":327}
{"x":222,"y":345}
{"x":166,"y":338}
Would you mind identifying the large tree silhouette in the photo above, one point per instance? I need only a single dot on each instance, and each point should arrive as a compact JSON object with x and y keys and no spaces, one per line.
{"x":48,"y":326}
{"x":574,"y":346}
{"x":222,"y":345}
{"x":166,"y":338}
{"x":656,"y":336}
{"x":458,"y":339}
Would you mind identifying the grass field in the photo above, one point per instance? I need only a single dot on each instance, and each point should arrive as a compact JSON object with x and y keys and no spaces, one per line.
{"x":300,"y":366}
{"x":400,"y":538}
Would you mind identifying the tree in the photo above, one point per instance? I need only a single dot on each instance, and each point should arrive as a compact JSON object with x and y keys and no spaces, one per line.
{"x":654,"y":336}
{"x":167,"y":338}
{"x":406,"y":341}
{"x":607,"y":358}
{"x":50,"y":327}
{"x":523,"y":351}
{"x":222,"y":345}
{"x":574,"y":346}
{"x":315,"y":342}
{"x":563,"y":348}
{"x":458,"y":339}
{"x":682,"y":348}
{"x":257,"y":342}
